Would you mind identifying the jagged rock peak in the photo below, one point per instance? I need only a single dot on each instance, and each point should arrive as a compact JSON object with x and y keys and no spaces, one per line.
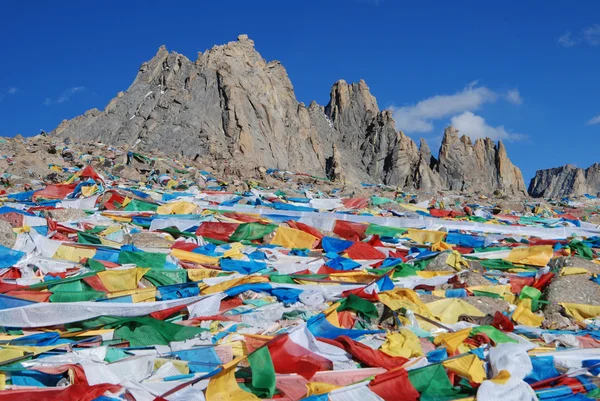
{"x":232,"y":105}
{"x":423,"y":146}
{"x":349,"y":102}
{"x":567,"y":180}
{"x":449,"y":138}
{"x":482,"y":166}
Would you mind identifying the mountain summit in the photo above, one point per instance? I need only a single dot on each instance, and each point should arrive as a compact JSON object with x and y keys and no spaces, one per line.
{"x":231,"y":104}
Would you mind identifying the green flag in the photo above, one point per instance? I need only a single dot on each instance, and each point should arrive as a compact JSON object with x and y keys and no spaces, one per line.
{"x":263,"y":373}
{"x":252,"y":231}
{"x":143,"y":259}
{"x":146,"y":331}
{"x":384,"y":231}
{"x":432,"y":383}
{"x":362,"y":306}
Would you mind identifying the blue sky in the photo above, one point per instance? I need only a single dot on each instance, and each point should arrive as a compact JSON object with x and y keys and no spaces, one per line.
{"x":515,"y":70}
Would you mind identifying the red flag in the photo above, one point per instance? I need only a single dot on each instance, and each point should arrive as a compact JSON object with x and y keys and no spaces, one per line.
{"x":362,"y":250}
{"x":59,"y":191}
{"x":289,"y":357}
{"x":36,"y":296}
{"x":306,"y":228}
{"x":394,"y":386}
{"x":517,"y":283}
{"x":89,"y":172}
{"x":369,"y":356}
{"x":542,"y":281}
{"x":501,"y":322}
{"x":349,"y":230}
{"x":356,"y":203}
{"x":215,"y":230}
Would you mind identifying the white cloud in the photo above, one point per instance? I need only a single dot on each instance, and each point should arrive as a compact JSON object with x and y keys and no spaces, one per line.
{"x":589,"y":35}
{"x":594,"y":120}
{"x":566,"y":40}
{"x":475,"y":127}
{"x":419,"y":117}
{"x":64,"y":96}
{"x":513,"y":96}
{"x":9,"y":91}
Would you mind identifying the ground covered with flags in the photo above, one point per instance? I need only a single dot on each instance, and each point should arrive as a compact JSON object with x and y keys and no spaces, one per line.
{"x":132,"y":277}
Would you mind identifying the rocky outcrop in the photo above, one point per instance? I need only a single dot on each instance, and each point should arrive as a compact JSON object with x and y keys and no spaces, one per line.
{"x":467,"y":167}
{"x":564,"y":181}
{"x":232,"y":105}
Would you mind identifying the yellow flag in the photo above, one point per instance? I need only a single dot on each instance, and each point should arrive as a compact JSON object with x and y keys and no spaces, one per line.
{"x":292,"y":238}
{"x":333,"y":319}
{"x":538,"y":255}
{"x":456,"y":260}
{"x":89,"y":190}
{"x":452,"y":340}
{"x":234,"y":282}
{"x":567,"y":271}
{"x":200,"y":274}
{"x":404,"y":343}
{"x":179,"y":207}
{"x":580,"y":311}
{"x":122,"y":280}
{"x":181,"y":366}
{"x":136,"y":294}
{"x":468,"y":366}
{"x":404,"y":298}
{"x":7,"y":353}
{"x":116,"y":217}
{"x":223,"y":387}
{"x":525,"y":316}
{"x":72,"y":253}
{"x":425,"y":236}
{"x":434,"y":273}
{"x":194,"y":257}
{"x":502,"y":377}
{"x":440,"y":247}
{"x":448,"y":310}
{"x":316,"y":388}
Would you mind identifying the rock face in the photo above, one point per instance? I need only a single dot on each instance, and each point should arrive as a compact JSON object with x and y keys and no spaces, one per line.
{"x":565,"y":181}
{"x":232,"y":105}
{"x":465,"y":167}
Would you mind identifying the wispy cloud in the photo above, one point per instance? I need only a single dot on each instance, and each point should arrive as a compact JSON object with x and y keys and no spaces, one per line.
{"x":594,"y":120}
{"x":420,"y":117}
{"x":10,"y":91}
{"x":589,"y":35}
{"x":64,"y":96}
{"x":514,"y":96}
{"x":475,"y":127}
{"x":566,"y":40}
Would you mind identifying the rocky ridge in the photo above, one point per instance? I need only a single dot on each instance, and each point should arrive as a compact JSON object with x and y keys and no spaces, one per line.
{"x":231,"y":104}
{"x":566,"y":180}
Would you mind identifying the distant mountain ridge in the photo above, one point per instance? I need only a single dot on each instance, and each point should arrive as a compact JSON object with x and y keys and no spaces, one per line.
{"x":231,"y":104}
{"x":566,"y":180}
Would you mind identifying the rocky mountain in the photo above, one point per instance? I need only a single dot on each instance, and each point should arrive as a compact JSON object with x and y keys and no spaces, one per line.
{"x":566,"y":180}
{"x":232,"y":105}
